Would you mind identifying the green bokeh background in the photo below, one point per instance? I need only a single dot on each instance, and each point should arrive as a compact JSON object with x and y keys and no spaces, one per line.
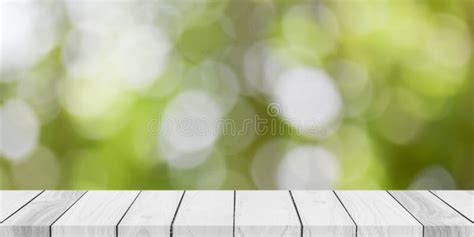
{"x":417,"y":112}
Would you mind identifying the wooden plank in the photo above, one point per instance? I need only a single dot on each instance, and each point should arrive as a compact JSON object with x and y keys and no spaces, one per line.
{"x":205,"y":213}
{"x":437,"y":218}
{"x":376,"y":213}
{"x":265,"y":213}
{"x":12,"y":201}
{"x":36,"y":218}
{"x":461,"y":201}
{"x":322,"y":214}
{"x":97,"y":213}
{"x":151,"y":214}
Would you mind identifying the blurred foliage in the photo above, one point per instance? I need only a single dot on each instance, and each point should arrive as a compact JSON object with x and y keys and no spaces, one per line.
{"x":404,"y":70}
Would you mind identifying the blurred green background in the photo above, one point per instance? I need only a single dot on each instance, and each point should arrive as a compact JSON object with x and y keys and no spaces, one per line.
{"x":355,"y":94}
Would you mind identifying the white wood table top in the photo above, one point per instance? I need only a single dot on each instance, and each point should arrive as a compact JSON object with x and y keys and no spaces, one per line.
{"x":97,"y":213}
{"x":36,"y":218}
{"x":151,"y":214}
{"x":11,"y":201}
{"x":266,"y":213}
{"x":461,"y":201}
{"x":377,"y":214}
{"x":236,"y":213}
{"x":438,"y":218}
{"x":332,"y":218}
{"x":194,"y":218}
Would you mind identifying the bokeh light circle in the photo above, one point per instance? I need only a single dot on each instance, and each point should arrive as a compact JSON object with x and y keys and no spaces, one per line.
{"x":308,"y":167}
{"x":265,"y":162}
{"x":433,"y":177}
{"x":216,"y":79}
{"x":309,"y":100}
{"x":190,"y":125}
{"x":29,"y":30}
{"x":19,"y":129}
{"x":261,"y":69}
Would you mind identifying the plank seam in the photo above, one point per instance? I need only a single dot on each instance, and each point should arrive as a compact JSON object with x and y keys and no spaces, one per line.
{"x":42,"y":191}
{"x":297,"y":213}
{"x":356,"y":230}
{"x":125,"y":213}
{"x":450,"y":206}
{"x":62,"y":214}
{"x":233,"y":215}
{"x":422,"y":226}
{"x":176,"y":213}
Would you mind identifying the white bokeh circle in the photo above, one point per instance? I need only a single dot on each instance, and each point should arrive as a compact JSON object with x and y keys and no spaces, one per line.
{"x":308,"y":167}
{"x":433,"y":177}
{"x":189,"y":126}
{"x":29,"y":30}
{"x":19,"y":129}
{"x":309,"y":100}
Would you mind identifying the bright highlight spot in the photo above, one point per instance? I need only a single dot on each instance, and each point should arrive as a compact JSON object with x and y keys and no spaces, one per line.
{"x":19,"y":129}
{"x":190,"y":126}
{"x":132,"y":58}
{"x":309,"y":100}
{"x":28,"y":31}
{"x":308,"y":167}
{"x":89,"y":99}
{"x":114,"y":42}
{"x":140,"y":55}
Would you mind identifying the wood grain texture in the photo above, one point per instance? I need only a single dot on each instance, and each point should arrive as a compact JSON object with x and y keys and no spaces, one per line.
{"x":437,"y":218}
{"x":376,"y":213}
{"x":265,"y":213}
{"x":35,"y":218}
{"x":322,"y":214}
{"x":462,"y":201}
{"x":205,"y":213}
{"x":12,"y":201}
{"x":255,"y":213}
{"x":97,"y":213}
{"x":151,"y":214}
